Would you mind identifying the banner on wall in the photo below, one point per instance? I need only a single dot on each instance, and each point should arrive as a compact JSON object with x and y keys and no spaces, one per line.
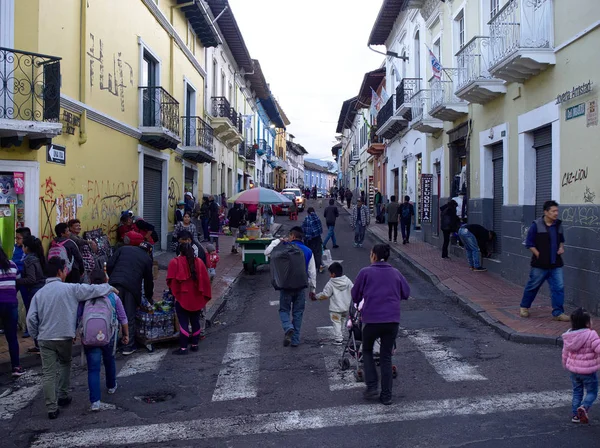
{"x":66,"y":208}
{"x":426,"y":199}
{"x":8,"y":194}
{"x":19,"y":180}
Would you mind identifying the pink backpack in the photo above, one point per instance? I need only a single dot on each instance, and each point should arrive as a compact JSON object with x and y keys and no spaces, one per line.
{"x":58,"y":249}
{"x":99,"y":321}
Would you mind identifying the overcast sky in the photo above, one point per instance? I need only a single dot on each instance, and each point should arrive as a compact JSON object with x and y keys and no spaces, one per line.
{"x":313,"y":54}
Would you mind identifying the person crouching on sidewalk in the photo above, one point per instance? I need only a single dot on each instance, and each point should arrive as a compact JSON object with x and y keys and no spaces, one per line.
{"x":581,"y":347}
{"x":338,"y":290}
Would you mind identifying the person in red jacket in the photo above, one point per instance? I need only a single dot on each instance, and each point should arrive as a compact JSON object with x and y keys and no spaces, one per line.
{"x":188,"y":279}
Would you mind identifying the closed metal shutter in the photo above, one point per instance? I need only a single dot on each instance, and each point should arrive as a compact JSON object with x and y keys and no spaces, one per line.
{"x":153,"y":192}
{"x":498,"y":195}
{"x":542,"y":142}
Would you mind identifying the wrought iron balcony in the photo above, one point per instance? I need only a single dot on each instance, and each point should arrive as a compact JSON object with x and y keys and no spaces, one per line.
{"x":522,"y":39}
{"x":443,"y":104}
{"x":262,"y":147}
{"x":221,"y":107}
{"x":160,"y":118}
{"x":386,"y":112}
{"x":475,"y":83}
{"x":376,"y":143}
{"x":390,"y":124}
{"x":250,"y":153}
{"x":421,"y":120}
{"x":29,"y":97}
{"x":226,"y":122}
{"x":404,"y":92}
{"x":197,"y":139}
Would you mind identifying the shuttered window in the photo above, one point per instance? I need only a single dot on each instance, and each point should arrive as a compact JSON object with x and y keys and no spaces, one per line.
{"x":153,"y":192}
{"x":542,"y":142}
{"x":498,"y":195}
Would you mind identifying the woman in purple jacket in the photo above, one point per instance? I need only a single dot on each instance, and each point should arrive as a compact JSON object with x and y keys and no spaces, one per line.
{"x":382,"y":287}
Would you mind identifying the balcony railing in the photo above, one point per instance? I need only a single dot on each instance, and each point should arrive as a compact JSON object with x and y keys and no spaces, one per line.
{"x":197,"y":132}
{"x":160,"y":109}
{"x":442,"y":93}
{"x":29,"y":86}
{"x":373,"y":137}
{"x":222,"y":109}
{"x":249,"y":152}
{"x":387,"y":111}
{"x":473,"y":62}
{"x":418,"y":103}
{"x":521,"y":24}
{"x":406,"y":89}
{"x":262,"y":147}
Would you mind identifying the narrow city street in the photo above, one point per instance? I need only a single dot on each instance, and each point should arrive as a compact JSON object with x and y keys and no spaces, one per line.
{"x":459,"y":383}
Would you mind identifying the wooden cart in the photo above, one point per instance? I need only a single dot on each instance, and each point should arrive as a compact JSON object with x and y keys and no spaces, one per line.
{"x":253,"y":253}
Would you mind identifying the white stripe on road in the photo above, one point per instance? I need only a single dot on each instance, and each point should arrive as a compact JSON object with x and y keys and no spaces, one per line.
{"x":146,"y":362}
{"x":338,"y":379}
{"x":16,"y":399}
{"x":238,"y":377}
{"x":274,"y":302}
{"x":306,"y":419}
{"x":446,"y":362}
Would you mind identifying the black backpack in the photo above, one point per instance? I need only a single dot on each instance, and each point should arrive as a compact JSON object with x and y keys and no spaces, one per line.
{"x":288,"y":268}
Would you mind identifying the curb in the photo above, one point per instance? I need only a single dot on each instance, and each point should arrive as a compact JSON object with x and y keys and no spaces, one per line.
{"x":471,"y":307}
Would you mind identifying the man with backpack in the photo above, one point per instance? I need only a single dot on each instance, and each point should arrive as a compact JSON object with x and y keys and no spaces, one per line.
{"x":66,"y":249}
{"x":292,"y":271}
{"x":393,"y":210}
{"x":128,"y":269}
{"x":407,"y":211}
{"x":52,"y":319}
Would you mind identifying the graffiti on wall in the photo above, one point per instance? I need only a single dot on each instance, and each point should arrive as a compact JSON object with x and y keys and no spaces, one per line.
{"x":588,"y":195}
{"x":48,"y":204}
{"x":116,"y":82}
{"x":582,"y":216}
{"x":574,"y":176}
{"x":173,"y":198}
{"x":105,"y":200}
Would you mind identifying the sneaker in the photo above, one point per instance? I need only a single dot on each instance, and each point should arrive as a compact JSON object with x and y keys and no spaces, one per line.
{"x":194,"y":348}
{"x":64,"y":402}
{"x":575,"y":419}
{"x":295,"y":344}
{"x":33,"y":350}
{"x":53,"y":415}
{"x":562,"y":318}
{"x":128,"y":351}
{"x":25,"y":334}
{"x":112,"y":390}
{"x":360,"y":245}
{"x":95,"y":407}
{"x":582,"y":414}
{"x":371,"y":394}
{"x":524,"y":312}
{"x":336,"y":342}
{"x":355,"y":244}
{"x":202,"y":337}
{"x":233,"y":250}
{"x":180,"y":351}
{"x":287,"y":339}
{"x":17,"y":372}
{"x":321,"y":268}
{"x":335,"y":246}
{"x":479,"y":270}
{"x":385,"y":401}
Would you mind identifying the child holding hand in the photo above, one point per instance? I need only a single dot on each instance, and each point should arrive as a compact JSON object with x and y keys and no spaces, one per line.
{"x":338,"y":290}
{"x":581,"y":347}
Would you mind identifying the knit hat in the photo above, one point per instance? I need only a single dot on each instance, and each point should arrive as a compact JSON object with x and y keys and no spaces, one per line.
{"x":210,"y":248}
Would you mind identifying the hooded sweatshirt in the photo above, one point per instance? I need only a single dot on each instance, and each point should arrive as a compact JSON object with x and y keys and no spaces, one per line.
{"x":191,"y":294}
{"x":338,"y":290}
{"x":580,"y":351}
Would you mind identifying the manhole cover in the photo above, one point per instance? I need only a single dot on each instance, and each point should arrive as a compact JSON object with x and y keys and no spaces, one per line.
{"x":156,"y":397}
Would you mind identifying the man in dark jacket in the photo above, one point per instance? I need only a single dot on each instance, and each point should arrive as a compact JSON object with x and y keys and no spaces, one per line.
{"x":312,"y":229}
{"x":392,"y":218}
{"x":406,"y":213}
{"x":546,"y":242}
{"x":63,"y":235}
{"x":236,"y":217}
{"x":127,"y":269}
{"x":450,"y":223}
{"x":331,"y":214}
{"x":475,"y":238}
{"x":348,"y":196}
{"x":378,"y":200}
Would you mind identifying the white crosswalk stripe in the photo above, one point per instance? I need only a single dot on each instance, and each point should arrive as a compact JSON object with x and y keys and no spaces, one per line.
{"x":274,"y":302}
{"x":338,"y":379}
{"x":446,"y":362}
{"x":238,"y":377}
{"x":142,"y":363}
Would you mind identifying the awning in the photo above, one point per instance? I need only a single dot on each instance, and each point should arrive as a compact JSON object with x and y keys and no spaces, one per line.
{"x":371,"y":80}
{"x":347,"y":114}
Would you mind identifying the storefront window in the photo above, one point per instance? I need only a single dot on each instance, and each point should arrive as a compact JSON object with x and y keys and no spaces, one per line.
{"x":12,"y":208}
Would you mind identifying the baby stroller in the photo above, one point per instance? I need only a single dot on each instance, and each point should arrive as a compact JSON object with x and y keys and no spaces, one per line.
{"x":353,"y":349}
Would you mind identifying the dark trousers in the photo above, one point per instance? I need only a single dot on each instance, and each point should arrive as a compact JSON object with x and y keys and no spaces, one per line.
{"x":205,"y":229}
{"x":9,"y":317}
{"x":316,"y":245}
{"x":405,"y":229}
{"x":187,"y":318}
{"x":393,"y":228}
{"x":130,"y":304}
{"x":446,"y":243}
{"x":348,"y":202}
{"x":387,"y":334}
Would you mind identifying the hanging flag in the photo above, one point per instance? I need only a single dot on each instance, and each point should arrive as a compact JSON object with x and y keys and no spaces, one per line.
{"x":384,"y":96}
{"x":375,"y":102}
{"x":436,"y":67}
{"x":248,"y":122}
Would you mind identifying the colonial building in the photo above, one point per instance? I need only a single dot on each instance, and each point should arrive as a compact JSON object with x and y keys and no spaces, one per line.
{"x":295,"y":158}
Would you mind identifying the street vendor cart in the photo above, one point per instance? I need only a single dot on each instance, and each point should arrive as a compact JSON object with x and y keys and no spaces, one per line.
{"x":157,"y":323}
{"x":253,"y":253}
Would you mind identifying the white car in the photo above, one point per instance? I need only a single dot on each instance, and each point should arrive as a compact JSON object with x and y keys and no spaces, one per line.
{"x":300,"y":201}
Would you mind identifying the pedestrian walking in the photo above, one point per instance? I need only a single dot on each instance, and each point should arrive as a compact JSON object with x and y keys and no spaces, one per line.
{"x":331,"y":214}
{"x":393,"y":209}
{"x":293,"y":301}
{"x":382,"y":287}
{"x":179,"y":211}
{"x":9,"y":310}
{"x":406,"y":214}
{"x":214,"y":221}
{"x":129,"y":268}
{"x":64,"y":247}
{"x":236,"y":217}
{"x":101,"y":350}
{"x":348,"y":196}
{"x":359,"y":221}
{"x":450,"y":224}
{"x":188,"y":279}
{"x":52,"y":320}
{"x":312,"y":229}
{"x":475,"y":238}
{"x":338,"y":291}
{"x":186,"y":225}
{"x":546,"y":241}
{"x":204,"y":214}
{"x":342,"y":193}
{"x":378,"y":200}
{"x":580,"y":356}
{"x":190,"y":202}
{"x":18,"y":258}
{"x":212,"y":260}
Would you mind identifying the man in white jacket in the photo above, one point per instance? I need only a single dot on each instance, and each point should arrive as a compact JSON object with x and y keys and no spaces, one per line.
{"x":338,"y":290}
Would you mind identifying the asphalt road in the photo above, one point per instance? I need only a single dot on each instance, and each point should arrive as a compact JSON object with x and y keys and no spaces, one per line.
{"x":459,"y":384}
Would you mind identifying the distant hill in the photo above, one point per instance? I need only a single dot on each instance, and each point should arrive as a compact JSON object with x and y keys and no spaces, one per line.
{"x":331,"y":165}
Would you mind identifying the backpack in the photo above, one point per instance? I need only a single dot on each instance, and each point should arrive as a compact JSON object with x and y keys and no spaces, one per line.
{"x":288,"y":268}
{"x":99,"y":321}
{"x":406,"y":211}
{"x":58,"y":249}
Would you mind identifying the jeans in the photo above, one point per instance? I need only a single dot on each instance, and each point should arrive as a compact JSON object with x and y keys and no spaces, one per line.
{"x":205,"y":231}
{"x":56,"y":359}
{"x":9,"y":316}
{"x":471,"y":247}
{"x":537,"y":276}
{"x":393,"y":229}
{"x":330,"y":235}
{"x":292,"y":302}
{"x":581,"y":382}
{"x":359,"y":234}
{"x":316,"y":245}
{"x":377,"y":209}
{"x":187,"y":318}
{"x":446,"y":243}
{"x":405,"y":229}
{"x":387,"y":334}
{"x":95,"y":357}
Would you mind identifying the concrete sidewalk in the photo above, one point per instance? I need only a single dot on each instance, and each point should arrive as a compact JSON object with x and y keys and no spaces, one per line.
{"x":228,"y":270}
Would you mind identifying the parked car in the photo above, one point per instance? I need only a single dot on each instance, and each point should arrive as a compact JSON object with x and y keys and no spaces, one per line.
{"x":300,"y":200}
{"x":284,"y":209}
{"x":321,"y":194}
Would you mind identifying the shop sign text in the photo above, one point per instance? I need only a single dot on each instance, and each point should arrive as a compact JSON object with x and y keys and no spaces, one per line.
{"x":576,"y":91}
{"x":575,"y":111}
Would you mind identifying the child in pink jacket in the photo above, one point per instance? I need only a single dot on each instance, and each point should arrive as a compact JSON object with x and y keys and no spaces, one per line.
{"x":581,"y":347}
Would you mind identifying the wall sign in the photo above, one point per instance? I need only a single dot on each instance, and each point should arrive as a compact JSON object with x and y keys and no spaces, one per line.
{"x":576,"y":91}
{"x":575,"y":111}
{"x":592,"y":113}
{"x":56,"y":154}
{"x":426,"y":199}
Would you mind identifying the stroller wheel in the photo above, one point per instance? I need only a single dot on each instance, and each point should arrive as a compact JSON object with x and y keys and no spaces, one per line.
{"x":344,"y":363}
{"x":394,"y":371}
{"x":359,"y":376}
